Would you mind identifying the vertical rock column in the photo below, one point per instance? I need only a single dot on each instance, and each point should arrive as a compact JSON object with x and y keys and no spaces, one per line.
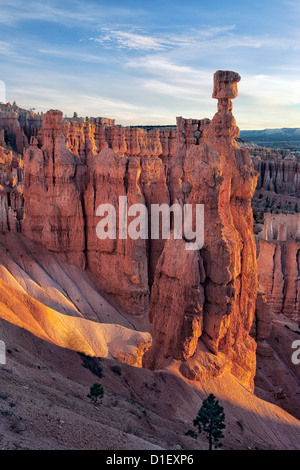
{"x":53,"y":210}
{"x":215,"y":311}
{"x":119,"y":265}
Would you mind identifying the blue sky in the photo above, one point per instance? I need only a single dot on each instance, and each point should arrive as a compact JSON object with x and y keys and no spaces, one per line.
{"x":143,"y":62}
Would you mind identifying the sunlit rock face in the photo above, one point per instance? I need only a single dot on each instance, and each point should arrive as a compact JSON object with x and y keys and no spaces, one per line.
{"x":220,"y":308}
{"x":71,"y":169}
{"x":120,"y":266}
{"x":54,"y":214}
{"x":201,"y":302}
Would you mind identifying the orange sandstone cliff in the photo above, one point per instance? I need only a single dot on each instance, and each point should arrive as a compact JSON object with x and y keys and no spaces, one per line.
{"x":205,"y":312}
{"x":214,"y":316}
{"x":201,"y":303}
{"x":279,"y":263}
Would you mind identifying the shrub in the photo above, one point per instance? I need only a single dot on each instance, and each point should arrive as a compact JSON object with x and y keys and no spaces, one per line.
{"x":116,"y":370}
{"x":96,"y":392}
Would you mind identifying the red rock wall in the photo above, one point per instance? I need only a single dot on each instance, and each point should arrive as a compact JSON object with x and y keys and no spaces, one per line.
{"x":278,"y":263}
{"x":278,"y":275}
{"x":11,"y":189}
{"x":280,"y":176}
{"x":202,"y":302}
{"x":217,"y":316}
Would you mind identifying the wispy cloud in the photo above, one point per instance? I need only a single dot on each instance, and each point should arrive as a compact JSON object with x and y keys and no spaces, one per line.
{"x":272,"y":90}
{"x":69,"y":12}
{"x":179,"y":92}
{"x":267,"y":101}
{"x":161,"y":65}
{"x":130,"y":40}
{"x":15,"y":53}
{"x":194,"y":44}
{"x":182,"y":82}
{"x":99,"y":102}
{"x":143,"y":41}
{"x":13,"y":12}
{"x":5,"y":48}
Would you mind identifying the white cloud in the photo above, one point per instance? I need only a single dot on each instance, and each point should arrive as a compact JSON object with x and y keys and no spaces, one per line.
{"x":156,"y":42}
{"x":272,"y":90}
{"x":129,"y":40}
{"x":209,"y":39}
{"x":13,"y":12}
{"x":177,"y":91}
{"x":162,"y":66}
{"x":6,"y":48}
{"x":98,"y":102}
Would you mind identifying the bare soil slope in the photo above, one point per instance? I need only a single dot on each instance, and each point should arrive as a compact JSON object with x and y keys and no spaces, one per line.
{"x":44,"y":387}
{"x":44,"y":404}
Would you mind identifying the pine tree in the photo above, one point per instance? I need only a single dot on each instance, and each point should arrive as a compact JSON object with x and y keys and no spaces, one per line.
{"x":96,"y":391}
{"x":210,"y":419}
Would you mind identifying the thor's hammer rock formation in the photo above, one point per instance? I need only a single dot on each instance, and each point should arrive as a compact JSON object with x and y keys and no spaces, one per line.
{"x":203,"y":303}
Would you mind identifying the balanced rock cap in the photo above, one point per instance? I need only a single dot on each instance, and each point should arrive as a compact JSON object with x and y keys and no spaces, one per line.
{"x":225,"y":84}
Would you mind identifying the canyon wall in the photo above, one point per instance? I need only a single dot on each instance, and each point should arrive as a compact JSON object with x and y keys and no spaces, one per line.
{"x":281,"y":176}
{"x":11,"y":190}
{"x":201,"y":302}
{"x":279,"y":263}
{"x":215,"y":311}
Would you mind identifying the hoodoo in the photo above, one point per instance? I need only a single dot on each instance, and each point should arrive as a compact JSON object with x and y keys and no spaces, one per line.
{"x":202,"y":304}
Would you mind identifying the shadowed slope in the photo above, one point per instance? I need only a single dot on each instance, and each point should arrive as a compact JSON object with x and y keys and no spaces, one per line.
{"x":44,"y":387}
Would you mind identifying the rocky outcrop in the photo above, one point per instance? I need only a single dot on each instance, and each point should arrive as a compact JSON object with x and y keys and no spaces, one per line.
{"x":176,"y":308}
{"x":278,"y":263}
{"x":14,"y":135}
{"x":202,"y":301}
{"x":264,"y":153}
{"x":54,"y":214}
{"x":280,"y":176}
{"x":221,"y":176}
{"x":11,"y":190}
{"x":281,"y":227}
{"x":262,"y":326}
{"x":64,"y":189}
{"x":120,"y":265}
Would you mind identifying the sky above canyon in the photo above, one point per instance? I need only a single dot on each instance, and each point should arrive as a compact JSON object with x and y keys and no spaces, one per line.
{"x":147,"y":62}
